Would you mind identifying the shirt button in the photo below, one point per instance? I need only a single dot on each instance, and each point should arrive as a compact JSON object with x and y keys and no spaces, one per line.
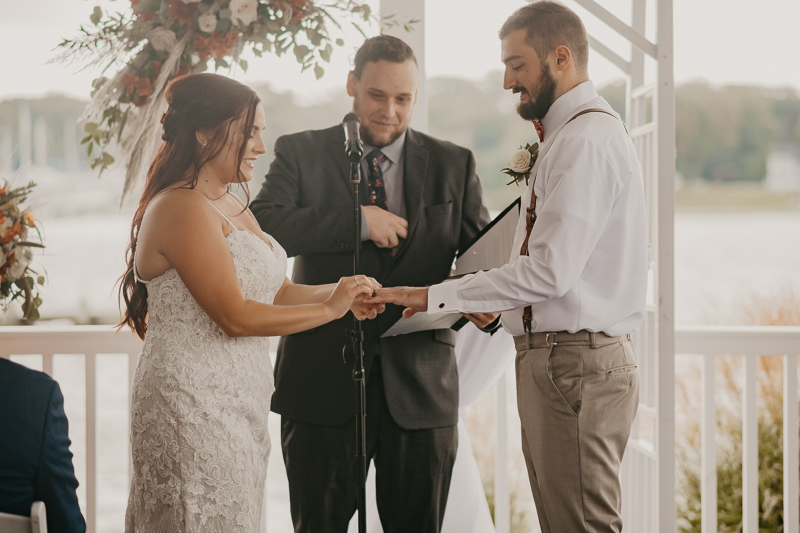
{"x":441,"y":306}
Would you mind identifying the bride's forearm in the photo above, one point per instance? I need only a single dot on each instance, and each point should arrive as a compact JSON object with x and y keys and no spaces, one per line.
{"x":292,"y":294}
{"x":263,"y":320}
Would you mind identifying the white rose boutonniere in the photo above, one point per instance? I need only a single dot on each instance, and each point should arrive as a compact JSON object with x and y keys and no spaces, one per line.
{"x":207,"y":22}
{"x":162,"y":39}
{"x":521,"y":163}
{"x":245,"y":11}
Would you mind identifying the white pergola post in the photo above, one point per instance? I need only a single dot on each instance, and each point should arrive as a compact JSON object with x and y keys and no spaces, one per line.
{"x":404,"y":11}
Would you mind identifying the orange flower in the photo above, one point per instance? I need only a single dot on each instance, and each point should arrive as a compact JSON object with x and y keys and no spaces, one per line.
{"x":183,"y":70}
{"x":130,"y":83}
{"x":141,"y":86}
{"x":225,"y":45}
{"x":2,"y":191}
{"x":203,"y":46}
{"x":28,"y":218}
{"x":183,"y":13}
{"x":297,"y":4}
{"x":148,"y":15}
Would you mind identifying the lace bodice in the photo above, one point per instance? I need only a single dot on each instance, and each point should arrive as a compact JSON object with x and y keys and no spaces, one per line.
{"x":200,"y":403}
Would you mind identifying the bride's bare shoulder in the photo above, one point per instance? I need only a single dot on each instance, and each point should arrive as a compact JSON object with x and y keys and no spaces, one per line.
{"x":177,"y":207}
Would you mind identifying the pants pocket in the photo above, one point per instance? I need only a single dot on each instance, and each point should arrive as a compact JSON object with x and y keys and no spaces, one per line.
{"x":564,"y":368}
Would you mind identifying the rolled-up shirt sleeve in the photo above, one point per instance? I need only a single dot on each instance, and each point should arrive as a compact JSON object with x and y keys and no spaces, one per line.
{"x":578,"y":197}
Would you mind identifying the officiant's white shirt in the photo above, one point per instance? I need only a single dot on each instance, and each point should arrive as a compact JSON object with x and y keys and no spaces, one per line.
{"x":589,"y":257}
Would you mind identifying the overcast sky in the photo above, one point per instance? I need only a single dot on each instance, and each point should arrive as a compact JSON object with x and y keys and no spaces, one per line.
{"x":722,"y":41}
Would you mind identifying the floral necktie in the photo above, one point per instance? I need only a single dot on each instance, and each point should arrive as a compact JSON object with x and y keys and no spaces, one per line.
{"x":377,"y":192}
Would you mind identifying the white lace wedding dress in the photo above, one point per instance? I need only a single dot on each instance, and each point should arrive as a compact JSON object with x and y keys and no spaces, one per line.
{"x":199,"y":409}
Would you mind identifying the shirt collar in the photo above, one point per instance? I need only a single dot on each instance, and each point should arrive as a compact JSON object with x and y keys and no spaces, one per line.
{"x":393,"y":152}
{"x":562,"y":108}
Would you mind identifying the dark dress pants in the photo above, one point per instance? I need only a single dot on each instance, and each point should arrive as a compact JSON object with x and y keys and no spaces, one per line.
{"x":413,"y":470}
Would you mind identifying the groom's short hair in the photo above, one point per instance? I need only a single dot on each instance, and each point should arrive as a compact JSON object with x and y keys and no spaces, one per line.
{"x":382,"y":48}
{"x":549,"y":25}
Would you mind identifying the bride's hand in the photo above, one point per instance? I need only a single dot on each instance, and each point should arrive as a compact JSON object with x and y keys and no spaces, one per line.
{"x":346,"y":291}
{"x":362,"y":308}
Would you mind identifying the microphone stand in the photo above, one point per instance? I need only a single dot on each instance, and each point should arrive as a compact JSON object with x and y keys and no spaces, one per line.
{"x":357,"y":336}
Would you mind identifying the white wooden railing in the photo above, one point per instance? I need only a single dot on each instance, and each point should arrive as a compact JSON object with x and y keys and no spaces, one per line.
{"x":750,"y":343}
{"x":707,"y":342}
{"x":91,"y":342}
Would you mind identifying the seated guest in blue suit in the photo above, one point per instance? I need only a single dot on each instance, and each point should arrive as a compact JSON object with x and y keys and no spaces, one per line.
{"x":35,"y":461}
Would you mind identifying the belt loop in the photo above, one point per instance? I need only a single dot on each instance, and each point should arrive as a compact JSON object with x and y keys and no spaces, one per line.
{"x":629,"y":337}
{"x":593,"y":339}
{"x":529,"y":339}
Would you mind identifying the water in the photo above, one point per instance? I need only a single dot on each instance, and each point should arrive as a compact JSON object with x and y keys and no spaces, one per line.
{"x":723,"y":261}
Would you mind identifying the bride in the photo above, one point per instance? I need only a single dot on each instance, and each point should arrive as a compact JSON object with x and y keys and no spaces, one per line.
{"x":204,"y":288}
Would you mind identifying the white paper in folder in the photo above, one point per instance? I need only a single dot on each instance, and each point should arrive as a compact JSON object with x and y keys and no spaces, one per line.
{"x":490,"y":249}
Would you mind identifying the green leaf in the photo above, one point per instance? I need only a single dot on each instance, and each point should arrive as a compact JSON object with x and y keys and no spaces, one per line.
{"x":301,"y":51}
{"x":365,"y":9}
{"x":223,"y":25}
{"x":318,"y":70}
{"x":86,"y":139}
{"x":243,"y":64}
{"x":96,"y":15}
{"x":89,"y":151}
{"x":40,"y":280}
{"x":325,"y":53}
{"x":224,"y":13}
{"x":90,"y":127}
{"x":202,"y":66}
{"x":339,"y":42}
{"x":316,"y":38}
{"x":220,"y":63}
{"x":108,"y":159}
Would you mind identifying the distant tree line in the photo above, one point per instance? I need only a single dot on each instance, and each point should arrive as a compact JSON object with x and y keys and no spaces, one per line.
{"x":723,"y":134}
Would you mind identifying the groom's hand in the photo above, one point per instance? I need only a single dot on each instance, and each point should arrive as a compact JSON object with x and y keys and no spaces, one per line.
{"x":414,"y":299}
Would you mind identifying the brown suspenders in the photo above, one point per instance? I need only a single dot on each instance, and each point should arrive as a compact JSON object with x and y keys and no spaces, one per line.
{"x":530,"y":218}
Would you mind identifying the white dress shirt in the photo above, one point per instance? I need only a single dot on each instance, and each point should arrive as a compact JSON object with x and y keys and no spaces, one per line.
{"x":588,"y":253}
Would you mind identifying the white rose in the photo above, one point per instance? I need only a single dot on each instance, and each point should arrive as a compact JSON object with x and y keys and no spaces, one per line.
{"x":207,"y":22}
{"x":244,"y":11}
{"x":23,"y":258}
{"x":162,"y":39}
{"x":520,"y":162}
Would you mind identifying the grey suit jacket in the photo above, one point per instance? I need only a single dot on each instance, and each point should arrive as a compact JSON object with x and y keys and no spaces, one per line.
{"x":306,"y":204}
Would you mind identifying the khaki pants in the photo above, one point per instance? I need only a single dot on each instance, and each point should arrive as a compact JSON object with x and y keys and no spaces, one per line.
{"x":577,"y":396}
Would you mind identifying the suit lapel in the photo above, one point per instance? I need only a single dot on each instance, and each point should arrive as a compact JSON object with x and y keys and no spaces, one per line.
{"x":414,"y":175}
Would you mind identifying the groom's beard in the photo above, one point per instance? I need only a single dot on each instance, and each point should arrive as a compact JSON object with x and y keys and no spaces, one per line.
{"x":538,"y":105}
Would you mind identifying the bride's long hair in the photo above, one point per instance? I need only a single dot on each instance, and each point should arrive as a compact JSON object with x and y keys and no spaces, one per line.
{"x":206,"y":103}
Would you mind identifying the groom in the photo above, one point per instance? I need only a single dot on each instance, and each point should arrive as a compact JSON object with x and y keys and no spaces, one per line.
{"x":574,"y":290}
{"x":421,"y":202}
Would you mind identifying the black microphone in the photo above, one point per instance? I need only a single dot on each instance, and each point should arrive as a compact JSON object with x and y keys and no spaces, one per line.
{"x":353,"y":146}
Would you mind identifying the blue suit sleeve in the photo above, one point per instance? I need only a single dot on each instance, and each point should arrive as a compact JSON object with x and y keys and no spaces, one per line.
{"x":56,"y":484}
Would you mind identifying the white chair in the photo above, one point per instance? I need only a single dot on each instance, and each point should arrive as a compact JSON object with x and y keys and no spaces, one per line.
{"x":37,"y":523}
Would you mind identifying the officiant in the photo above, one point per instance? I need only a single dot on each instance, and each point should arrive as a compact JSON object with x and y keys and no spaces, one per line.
{"x":421,"y":202}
